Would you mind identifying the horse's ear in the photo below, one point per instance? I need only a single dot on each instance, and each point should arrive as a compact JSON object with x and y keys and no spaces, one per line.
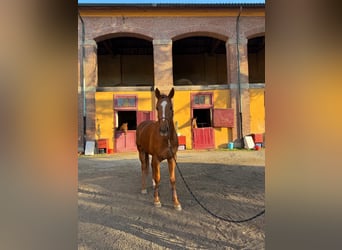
{"x":172,"y":92}
{"x":157,"y":92}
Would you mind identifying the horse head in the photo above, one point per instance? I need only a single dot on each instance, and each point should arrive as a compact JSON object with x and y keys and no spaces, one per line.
{"x":165,"y":111}
{"x":124,"y":127}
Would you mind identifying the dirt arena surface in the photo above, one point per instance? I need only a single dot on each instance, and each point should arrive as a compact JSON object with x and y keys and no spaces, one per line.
{"x":113,"y":214}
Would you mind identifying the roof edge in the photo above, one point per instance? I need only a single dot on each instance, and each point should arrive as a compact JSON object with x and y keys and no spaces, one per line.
{"x":206,"y":5}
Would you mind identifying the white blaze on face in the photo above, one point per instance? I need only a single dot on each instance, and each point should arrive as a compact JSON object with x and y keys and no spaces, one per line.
{"x":163,"y":104}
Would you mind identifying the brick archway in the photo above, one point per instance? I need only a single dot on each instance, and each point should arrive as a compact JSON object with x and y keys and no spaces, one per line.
{"x":255,"y":32}
{"x":200,"y":33}
{"x":122,"y":34}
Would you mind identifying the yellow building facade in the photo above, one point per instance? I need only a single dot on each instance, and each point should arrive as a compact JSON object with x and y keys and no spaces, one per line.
{"x":217,"y":72}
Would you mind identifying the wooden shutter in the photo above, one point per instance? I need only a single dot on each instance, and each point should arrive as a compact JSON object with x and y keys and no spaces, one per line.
{"x":223,"y":118}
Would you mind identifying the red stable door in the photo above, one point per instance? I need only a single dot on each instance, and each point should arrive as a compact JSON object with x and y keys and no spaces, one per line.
{"x":202,"y":129}
{"x":203,"y":138}
{"x":203,"y":132}
{"x":125,"y":142}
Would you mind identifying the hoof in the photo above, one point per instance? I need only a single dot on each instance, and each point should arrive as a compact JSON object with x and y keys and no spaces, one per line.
{"x":157,"y":204}
{"x":144,"y":191}
{"x":178,"y":207}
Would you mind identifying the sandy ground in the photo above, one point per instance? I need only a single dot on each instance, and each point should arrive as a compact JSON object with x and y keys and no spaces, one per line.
{"x":113,"y":214}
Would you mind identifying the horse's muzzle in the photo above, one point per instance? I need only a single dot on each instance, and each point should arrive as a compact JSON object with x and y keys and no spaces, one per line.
{"x":163,"y":132}
{"x":164,"y":128}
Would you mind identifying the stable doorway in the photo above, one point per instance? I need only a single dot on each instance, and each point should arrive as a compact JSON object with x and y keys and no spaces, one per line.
{"x":202,"y":129}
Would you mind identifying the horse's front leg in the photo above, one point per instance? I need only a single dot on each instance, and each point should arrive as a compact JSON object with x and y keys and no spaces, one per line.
{"x":172,"y":167}
{"x":144,"y":170}
{"x":156,"y":178}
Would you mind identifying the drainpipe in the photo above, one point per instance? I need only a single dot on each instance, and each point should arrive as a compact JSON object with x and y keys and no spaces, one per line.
{"x":83,"y":82}
{"x":238,"y":75}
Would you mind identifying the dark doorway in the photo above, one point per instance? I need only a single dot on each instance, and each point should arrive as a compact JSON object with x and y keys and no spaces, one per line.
{"x":127,"y":116}
{"x":203,"y":117}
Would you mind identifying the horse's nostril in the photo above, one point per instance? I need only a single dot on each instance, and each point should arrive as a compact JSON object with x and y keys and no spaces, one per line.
{"x":164,"y":131}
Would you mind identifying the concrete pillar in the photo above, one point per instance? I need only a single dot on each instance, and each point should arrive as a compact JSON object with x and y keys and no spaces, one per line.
{"x":163,"y":73}
{"x":80,"y":102}
{"x":90,"y":76}
{"x":239,"y":96}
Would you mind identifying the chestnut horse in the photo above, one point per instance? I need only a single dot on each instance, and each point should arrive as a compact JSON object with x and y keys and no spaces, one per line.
{"x":159,"y":139}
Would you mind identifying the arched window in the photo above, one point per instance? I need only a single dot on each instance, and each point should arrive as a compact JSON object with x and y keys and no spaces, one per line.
{"x":125,"y":61}
{"x":199,"y":60}
{"x":256,"y":60}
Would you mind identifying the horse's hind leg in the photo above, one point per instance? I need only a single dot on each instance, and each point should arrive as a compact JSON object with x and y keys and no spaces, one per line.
{"x":172,"y":166}
{"x":144,"y":170}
